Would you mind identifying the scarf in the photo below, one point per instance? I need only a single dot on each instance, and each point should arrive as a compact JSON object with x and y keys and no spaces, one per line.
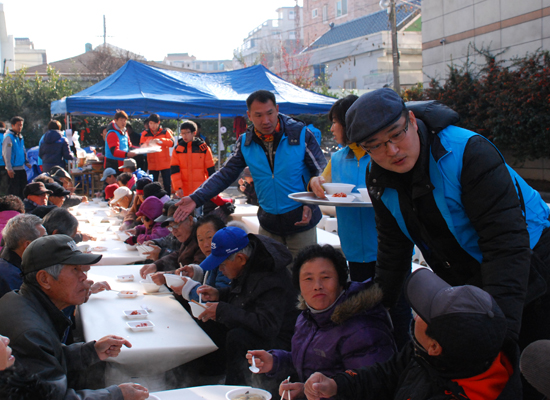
{"x":268,"y":137}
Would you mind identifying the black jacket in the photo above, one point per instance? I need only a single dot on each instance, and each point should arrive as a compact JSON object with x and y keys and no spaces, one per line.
{"x":491,"y":202}
{"x":54,"y":150}
{"x":35,"y":328}
{"x":262,"y":299}
{"x":406,"y":376}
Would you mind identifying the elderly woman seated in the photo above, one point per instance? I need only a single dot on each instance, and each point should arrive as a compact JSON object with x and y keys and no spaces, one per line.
{"x":343,"y":325}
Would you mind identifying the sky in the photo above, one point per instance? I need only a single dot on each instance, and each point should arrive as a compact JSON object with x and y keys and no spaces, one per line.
{"x":206,"y":29}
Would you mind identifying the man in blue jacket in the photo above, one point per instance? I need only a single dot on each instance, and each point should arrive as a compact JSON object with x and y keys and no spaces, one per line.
{"x":282,"y":155}
{"x":449,"y":191}
{"x":15,"y":157}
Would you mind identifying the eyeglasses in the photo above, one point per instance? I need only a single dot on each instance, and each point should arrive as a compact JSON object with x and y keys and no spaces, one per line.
{"x":394,"y":139}
{"x":171,"y":227}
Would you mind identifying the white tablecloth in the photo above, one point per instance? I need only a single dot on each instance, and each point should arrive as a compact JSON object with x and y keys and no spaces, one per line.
{"x":116,"y":253}
{"x":244,"y":210}
{"x":175,"y":339}
{"x":197,"y":393}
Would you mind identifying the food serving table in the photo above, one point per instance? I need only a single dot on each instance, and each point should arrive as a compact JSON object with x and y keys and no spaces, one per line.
{"x":175,"y":339}
{"x":214,"y":392}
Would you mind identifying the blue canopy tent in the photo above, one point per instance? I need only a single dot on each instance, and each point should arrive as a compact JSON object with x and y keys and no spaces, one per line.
{"x":140,"y":89}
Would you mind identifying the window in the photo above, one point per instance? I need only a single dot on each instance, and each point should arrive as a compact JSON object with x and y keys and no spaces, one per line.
{"x":341,"y":8}
{"x":291,"y":15}
{"x":292,"y":35}
{"x":325,"y":13}
{"x":320,"y":71}
{"x":350,"y":84}
{"x":314,"y":13}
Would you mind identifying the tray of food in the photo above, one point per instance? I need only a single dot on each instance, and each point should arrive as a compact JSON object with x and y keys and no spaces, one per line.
{"x":339,"y":199}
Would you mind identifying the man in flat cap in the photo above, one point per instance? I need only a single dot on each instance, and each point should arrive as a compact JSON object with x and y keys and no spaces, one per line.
{"x":54,"y":278}
{"x":449,"y":191}
{"x":459,"y":351}
{"x":35,"y":195}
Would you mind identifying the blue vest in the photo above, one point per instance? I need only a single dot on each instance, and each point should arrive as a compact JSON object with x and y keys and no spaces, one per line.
{"x":17,"y":150}
{"x":2,"y":163}
{"x":290,"y":173}
{"x":445,"y":177}
{"x":122,"y":144}
{"x":356,"y":226}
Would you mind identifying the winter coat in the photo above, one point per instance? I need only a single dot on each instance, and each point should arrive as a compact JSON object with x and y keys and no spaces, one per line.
{"x":157,"y":231}
{"x":10,"y":271}
{"x":261,"y":299}
{"x":5,"y":216}
{"x":297,"y":158}
{"x":355,"y":332}
{"x":54,"y":150}
{"x":406,"y":376}
{"x":116,"y":146}
{"x":192,"y":164}
{"x":35,"y":333}
{"x":460,"y":206}
{"x":161,"y":160}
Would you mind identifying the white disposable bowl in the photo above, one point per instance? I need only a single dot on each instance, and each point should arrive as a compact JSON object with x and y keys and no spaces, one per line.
{"x":173,"y":280}
{"x":332,"y":188}
{"x":85,"y":248}
{"x":129,"y":247}
{"x":196,"y":309}
{"x":365,"y":194}
{"x":238,"y":392}
{"x":150,"y":287}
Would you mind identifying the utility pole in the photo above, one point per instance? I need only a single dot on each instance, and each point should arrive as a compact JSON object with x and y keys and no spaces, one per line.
{"x":394,"y":47}
{"x":104,"y":32}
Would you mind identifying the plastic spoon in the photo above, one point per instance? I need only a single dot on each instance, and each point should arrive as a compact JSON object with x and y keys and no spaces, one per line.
{"x":204,"y":283}
{"x":253,"y":367}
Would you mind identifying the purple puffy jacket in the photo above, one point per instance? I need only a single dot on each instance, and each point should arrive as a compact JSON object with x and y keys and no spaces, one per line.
{"x":355,"y":332}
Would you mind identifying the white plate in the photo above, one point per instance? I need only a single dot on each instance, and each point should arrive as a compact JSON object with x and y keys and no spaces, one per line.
{"x":125,"y":278}
{"x":310,"y":198}
{"x":140,"y":314}
{"x":127,"y":293}
{"x":147,"y":150}
{"x":238,"y":392}
{"x":98,"y":249}
{"x":348,"y":199}
{"x":136,"y":326}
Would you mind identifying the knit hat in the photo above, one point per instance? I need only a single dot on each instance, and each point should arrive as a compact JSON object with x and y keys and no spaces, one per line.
{"x":54,"y":249}
{"x":151,"y":208}
{"x":141,"y":183}
{"x":465,"y":320}
{"x":371,"y":113}
{"x":110,"y":190}
{"x":153,"y":189}
{"x":120,"y":193}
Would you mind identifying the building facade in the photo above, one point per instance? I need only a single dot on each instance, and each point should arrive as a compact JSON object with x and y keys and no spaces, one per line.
{"x":184,"y":60}
{"x":450,"y":29}
{"x":319,"y":14}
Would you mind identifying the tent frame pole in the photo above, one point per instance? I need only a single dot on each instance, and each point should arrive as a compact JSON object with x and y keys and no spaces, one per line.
{"x":219,"y":139}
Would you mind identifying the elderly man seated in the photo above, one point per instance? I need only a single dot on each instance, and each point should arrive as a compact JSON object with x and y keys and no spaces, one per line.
{"x":258,"y":309}
{"x":54,"y":275}
{"x":35,"y":195}
{"x":60,"y":221}
{"x":18,"y":233}
{"x":460,"y":350}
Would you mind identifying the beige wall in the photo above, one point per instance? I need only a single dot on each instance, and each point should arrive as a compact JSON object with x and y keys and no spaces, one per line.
{"x":517,"y":26}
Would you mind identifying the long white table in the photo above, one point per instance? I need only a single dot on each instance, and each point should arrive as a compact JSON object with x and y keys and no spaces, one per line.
{"x":176,"y":338}
{"x":116,"y":253}
{"x":214,"y":392}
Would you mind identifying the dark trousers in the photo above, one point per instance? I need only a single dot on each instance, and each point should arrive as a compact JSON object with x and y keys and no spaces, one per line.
{"x":165,"y":179}
{"x":4,"y":181}
{"x":17,"y":183}
{"x":400,"y":313}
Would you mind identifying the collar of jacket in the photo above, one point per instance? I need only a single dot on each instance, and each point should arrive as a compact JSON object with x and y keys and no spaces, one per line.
{"x":417,"y":180}
{"x":11,"y":256}
{"x":18,"y":135}
{"x":41,"y":300}
{"x":358,"y":297}
{"x":287,"y":125}
{"x":113,"y":127}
